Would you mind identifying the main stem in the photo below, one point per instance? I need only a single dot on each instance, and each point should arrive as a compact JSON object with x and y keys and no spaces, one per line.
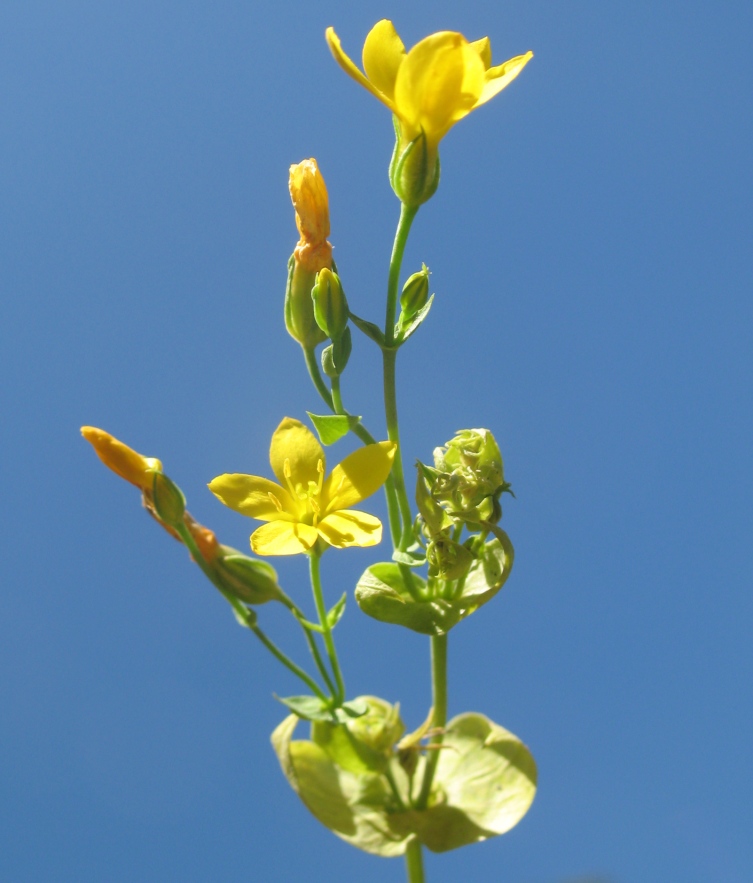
{"x":414,"y":862}
{"x":439,"y":720}
{"x":316,"y":585}
{"x":389,"y":355}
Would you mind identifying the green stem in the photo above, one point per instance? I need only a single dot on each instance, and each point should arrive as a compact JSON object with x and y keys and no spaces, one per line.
{"x":310,"y":640}
{"x":337,"y":399}
{"x":393,"y":509}
{"x":439,"y":720}
{"x":316,"y":585}
{"x":389,"y":355}
{"x":248,"y":617}
{"x":414,"y":861}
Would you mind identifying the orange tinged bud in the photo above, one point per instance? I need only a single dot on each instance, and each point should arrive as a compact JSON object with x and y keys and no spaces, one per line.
{"x":123,"y":461}
{"x":311,"y":202}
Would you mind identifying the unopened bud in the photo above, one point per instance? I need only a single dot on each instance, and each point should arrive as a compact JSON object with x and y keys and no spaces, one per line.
{"x":250,"y":580}
{"x":168,"y":500}
{"x":414,"y":171}
{"x":335,"y":356}
{"x":330,"y":305}
{"x":299,"y":307}
{"x":415,"y":293}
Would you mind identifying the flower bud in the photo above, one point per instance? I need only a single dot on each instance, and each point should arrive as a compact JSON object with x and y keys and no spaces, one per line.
{"x":472,"y":466}
{"x":311,"y":203}
{"x":250,"y":580}
{"x":168,"y":500}
{"x":335,"y":356}
{"x":414,"y":170}
{"x":380,"y":727}
{"x":299,"y":307}
{"x":121,"y":459}
{"x":415,"y":293}
{"x":330,"y":305}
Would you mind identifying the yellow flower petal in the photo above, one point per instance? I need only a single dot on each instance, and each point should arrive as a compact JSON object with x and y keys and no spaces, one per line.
{"x":358,"y":476}
{"x":351,"y":528}
{"x":383,"y":53}
{"x":484,"y":49}
{"x":439,"y":82}
{"x":294,"y":443}
{"x":502,"y":75}
{"x":255,"y":496}
{"x":123,"y":461}
{"x":283,"y":538}
{"x":333,"y":41}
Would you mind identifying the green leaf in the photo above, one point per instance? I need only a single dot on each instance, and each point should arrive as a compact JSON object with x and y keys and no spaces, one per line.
{"x":404,"y":332}
{"x":332,"y":427}
{"x":411,"y":558}
{"x":335,"y":614}
{"x":353,"y":805}
{"x":309,"y":708}
{"x":369,"y":329}
{"x":484,"y":784}
{"x":488,"y":573}
{"x":382,"y":594}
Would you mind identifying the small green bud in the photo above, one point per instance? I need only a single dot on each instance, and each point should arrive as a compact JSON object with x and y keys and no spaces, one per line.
{"x":380,"y":727}
{"x":250,"y":580}
{"x":471,"y":470}
{"x":433,"y":515}
{"x":335,"y":356}
{"x":414,"y":170}
{"x":299,"y":308}
{"x":448,"y":559}
{"x":330,"y":305}
{"x":168,"y":499}
{"x":415,"y":293}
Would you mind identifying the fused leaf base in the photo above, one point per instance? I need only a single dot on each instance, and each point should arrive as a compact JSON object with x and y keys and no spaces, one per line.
{"x":484,"y":783}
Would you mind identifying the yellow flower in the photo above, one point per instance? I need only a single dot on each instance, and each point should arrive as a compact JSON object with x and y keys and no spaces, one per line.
{"x":123,"y":461}
{"x":311,"y":203}
{"x":438,"y":82}
{"x":306,"y":506}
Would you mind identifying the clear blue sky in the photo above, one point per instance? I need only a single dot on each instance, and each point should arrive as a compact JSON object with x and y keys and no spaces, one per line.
{"x":590,"y":248}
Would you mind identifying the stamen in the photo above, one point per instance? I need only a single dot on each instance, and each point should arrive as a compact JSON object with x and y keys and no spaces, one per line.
{"x":275,"y":501}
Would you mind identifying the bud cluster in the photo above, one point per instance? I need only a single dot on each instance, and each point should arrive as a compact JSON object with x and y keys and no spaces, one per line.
{"x":461,"y":490}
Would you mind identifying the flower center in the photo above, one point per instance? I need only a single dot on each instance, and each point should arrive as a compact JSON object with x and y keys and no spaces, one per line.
{"x":307,"y":494}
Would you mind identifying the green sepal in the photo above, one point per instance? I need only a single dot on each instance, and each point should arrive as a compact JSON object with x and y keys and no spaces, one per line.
{"x":332,"y":427}
{"x":352,"y":709}
{"x":168,"y":499}
{"x":382,"y":594}
{"x":245,"y":617}
{"x":335,"y":614}
{"x":405,"y":328}
{"x":335,"y":356}
{"x":310,"y":708}
{"x":368,"y":328}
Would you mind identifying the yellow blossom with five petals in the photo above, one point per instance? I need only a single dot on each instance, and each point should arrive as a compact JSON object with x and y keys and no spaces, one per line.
{"x":307,"y":506}
{"x":434,"y":85}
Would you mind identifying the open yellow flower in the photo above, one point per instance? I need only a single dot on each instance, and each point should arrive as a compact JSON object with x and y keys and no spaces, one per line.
{"x":438,"y":82}
{"x":123,"y":461}
{"x":306,"y":506}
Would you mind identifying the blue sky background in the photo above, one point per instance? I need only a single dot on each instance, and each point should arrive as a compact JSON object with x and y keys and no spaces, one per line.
{"x":590,"y":246}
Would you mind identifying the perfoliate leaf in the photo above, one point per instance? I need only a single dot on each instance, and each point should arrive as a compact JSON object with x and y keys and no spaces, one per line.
{"x":381,"y":593}
{"x":412,"y":559}
{"x":484,"y":784}
{"x":332,"y":427}
{"x":402,"y":333}
{"x":335,"y":614}
{"x":488,"y":573}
